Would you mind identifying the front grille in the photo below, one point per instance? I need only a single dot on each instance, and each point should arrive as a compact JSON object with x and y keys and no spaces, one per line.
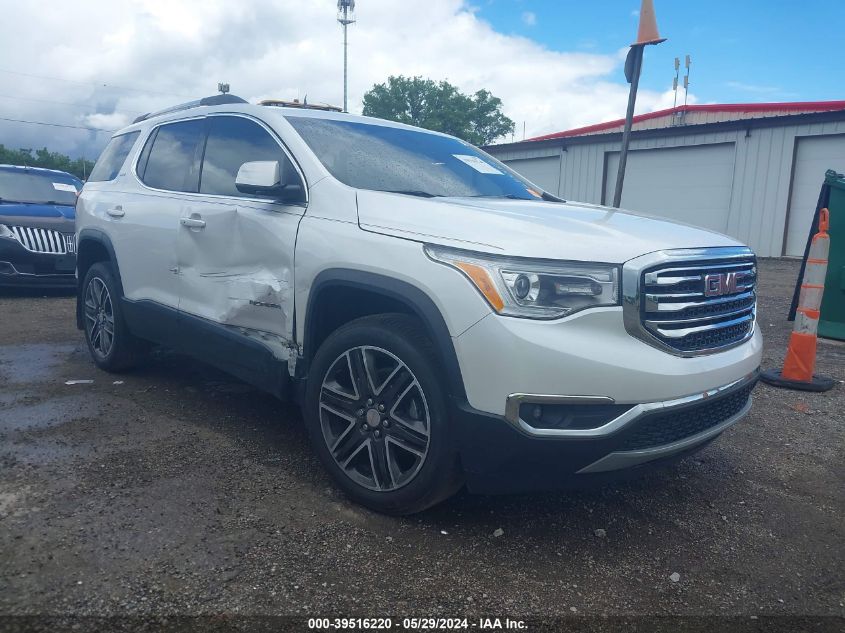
{"x":44,"y":240}
{"x":665,"y":428}
{"x":696,"y":307}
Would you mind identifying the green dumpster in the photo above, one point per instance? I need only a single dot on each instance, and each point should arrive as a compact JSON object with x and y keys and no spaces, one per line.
{"x":832,"y":321}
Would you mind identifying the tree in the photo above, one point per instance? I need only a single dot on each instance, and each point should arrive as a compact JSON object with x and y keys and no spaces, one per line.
{"x":45,"y":158}
{"x":439,"y":106}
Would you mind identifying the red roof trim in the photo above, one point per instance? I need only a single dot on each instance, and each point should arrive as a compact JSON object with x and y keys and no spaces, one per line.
{"x":800,"y":106}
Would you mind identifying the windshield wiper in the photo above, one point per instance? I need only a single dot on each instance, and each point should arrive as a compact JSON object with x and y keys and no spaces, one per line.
{"x":411,"y":192}
{"x":509,"y":196}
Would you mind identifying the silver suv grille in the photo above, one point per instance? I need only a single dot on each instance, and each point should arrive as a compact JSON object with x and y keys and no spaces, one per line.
{"x":44,"y":240}
{"x":699,"y":306}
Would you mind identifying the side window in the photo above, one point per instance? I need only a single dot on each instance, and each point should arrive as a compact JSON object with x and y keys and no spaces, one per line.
{"x":233,"y":141}
{"x":172,"y":161}
{"x":111,"y":160}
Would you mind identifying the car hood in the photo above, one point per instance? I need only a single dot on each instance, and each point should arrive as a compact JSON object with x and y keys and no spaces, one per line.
{"x":39,"y":211}
{"x":525,"y":228}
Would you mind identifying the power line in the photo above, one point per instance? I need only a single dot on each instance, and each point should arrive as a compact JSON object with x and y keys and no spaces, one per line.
{"x":67,"y":103}
{"x":76,"y":127}
{"x":98,"y":85}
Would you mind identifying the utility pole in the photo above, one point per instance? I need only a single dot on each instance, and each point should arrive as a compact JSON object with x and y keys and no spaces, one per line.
{"x":346,"y":16}
{"x":646,"y":35}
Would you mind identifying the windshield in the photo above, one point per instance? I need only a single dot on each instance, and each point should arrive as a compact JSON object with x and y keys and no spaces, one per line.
{"x":38,"y":187}
{"x":382,"y":158}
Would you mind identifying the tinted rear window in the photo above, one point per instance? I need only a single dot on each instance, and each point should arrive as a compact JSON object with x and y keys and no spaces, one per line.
{"x":24,"y":185}
{"x":172,"y":163}
{"x":112,"y":159}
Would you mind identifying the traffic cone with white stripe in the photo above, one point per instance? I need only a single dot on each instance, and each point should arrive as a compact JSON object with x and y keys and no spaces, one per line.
{"x":797,"y":372}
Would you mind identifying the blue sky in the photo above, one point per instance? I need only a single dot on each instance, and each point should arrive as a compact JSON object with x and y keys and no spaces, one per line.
{"x":742,"y":50}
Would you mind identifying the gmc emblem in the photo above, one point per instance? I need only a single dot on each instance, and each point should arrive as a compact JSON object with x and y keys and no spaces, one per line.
{"x":721,"y":284}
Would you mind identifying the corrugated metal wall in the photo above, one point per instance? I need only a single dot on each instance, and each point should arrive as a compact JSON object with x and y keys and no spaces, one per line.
{"x":763,"y":168}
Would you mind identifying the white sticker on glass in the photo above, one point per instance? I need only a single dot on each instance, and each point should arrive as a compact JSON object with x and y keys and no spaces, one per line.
{"x":477,"y":164}
{"x":61,"y":186}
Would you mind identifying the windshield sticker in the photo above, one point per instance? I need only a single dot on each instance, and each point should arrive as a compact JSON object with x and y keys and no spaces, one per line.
{"x":61,"y":186}
{"x":477,"y":164}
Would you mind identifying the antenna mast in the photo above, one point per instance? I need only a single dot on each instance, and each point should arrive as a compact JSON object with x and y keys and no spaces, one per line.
{"x":346,"y":16}
{"x":675,"y":82}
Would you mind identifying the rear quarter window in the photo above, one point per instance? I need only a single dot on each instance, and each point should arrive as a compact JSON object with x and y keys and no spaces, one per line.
{"x":170,"y":158}
{"x":111,"y":160}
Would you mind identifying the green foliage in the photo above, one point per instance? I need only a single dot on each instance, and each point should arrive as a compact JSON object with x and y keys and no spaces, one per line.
{"x":45,"y":158}
{"x":439,"y":106}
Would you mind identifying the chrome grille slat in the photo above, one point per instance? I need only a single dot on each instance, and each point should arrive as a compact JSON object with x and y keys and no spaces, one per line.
{"x":653,"y":303}
{"x":682,"y":332}
{"x":673,"y":281}
{"x":676,"y":310}
{"x":657,"y":324}
{"x":39,"y":240}
{"x":43,"y":240}
{"x":686,"y":269}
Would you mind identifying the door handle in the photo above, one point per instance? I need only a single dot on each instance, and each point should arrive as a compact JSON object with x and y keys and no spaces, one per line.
{"x":116,"y":212}
{"x":193,"y":223}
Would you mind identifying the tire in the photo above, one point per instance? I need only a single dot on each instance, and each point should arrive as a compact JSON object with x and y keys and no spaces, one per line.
{"x":110,"y":343}
{"x":399,"y":459}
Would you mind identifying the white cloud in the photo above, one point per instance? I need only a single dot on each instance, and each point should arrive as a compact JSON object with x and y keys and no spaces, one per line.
{"x":120,"y":58}
{"x":529,"y":18}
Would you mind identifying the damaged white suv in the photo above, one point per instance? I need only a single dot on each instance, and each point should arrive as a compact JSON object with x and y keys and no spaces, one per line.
{"x":441,"y":320}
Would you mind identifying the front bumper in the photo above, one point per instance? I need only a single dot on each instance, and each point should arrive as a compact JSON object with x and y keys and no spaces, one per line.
{"x":498,"y":456}
{"x":20,"y":267}
{"x":657,"y":405}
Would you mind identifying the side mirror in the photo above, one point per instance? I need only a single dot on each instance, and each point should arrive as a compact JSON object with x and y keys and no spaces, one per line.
{"x":269,"y":178}
{"x":261,"y":177}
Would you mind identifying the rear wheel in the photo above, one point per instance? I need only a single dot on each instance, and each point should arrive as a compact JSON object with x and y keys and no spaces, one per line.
{"x":110,"y":343}
{"x":377,"y":415}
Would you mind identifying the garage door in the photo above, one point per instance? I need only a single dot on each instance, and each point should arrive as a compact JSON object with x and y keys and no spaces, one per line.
{"x":814,"y":156}
{"x":686,"y":184}
{"x":544,"y":172}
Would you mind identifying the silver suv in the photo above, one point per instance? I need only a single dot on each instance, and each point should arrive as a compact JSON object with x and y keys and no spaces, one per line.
{"x":441,"y":320}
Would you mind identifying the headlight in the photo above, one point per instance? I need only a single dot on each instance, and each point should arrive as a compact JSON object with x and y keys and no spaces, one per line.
{"x":535,"y":289}
{"x":5,"y":231}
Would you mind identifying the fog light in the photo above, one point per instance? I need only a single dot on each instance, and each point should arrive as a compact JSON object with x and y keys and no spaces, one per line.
{"x":570,"y":416}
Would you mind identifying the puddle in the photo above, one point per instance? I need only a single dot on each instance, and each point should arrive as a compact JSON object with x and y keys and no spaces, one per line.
{"x":21,"y":364}
{"x":23,"y":416}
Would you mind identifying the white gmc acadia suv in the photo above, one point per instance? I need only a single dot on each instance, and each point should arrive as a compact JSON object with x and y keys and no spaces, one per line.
{"x":441,"y":320}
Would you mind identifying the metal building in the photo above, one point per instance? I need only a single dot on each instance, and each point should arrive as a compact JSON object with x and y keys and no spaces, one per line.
{"x":752,"y":171}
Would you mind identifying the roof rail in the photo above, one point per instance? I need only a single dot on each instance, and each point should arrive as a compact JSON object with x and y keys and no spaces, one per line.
{"x":296,"y":103}
{"x":206,"y":101}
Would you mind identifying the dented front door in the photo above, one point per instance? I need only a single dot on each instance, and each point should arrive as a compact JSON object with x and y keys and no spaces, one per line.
{"x":235,"y":254}
{"x":236,"y":267}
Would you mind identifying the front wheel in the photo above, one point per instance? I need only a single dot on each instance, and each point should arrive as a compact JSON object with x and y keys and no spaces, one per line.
{"x":377,"y":415}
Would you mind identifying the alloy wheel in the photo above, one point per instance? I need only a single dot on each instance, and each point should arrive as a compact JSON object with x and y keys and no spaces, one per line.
{"x":374,"y":418}
{"x":99,"y":317}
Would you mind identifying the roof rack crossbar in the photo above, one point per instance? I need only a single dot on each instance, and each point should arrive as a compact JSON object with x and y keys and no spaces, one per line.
{"x":205,"y":101}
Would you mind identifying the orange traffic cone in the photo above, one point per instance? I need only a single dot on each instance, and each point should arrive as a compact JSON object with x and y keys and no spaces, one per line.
{"x":797,"y":372}
{"x":647,"y":32}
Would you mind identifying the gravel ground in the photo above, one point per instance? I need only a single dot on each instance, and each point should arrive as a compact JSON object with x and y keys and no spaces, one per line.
{"x":176,"y":490}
